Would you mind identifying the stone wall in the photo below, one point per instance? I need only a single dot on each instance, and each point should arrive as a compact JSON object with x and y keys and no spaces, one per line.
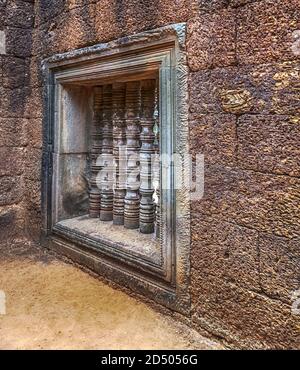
{"x":16,"y":131}
{"x":244,"y":116}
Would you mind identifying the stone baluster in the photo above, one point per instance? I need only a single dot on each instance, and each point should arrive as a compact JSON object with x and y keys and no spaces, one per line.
{"x":94,"y":194}
{"x":147,"y":212}
{"x":119,"y":145}
{"x":132,"y":198}
{"x":156,"y":177}
{"x":156,"y":168}
{"x":107,"y":178}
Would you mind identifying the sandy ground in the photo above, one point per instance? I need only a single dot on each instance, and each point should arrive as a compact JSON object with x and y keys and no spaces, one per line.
{"x":54,"y":305}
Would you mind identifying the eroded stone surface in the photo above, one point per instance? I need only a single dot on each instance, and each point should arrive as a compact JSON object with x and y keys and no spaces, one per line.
{"x":12,"y":132}
{"x":268,"y":88}
{"x":264,"y":30}
{"x":280,"y":266}
{"x":19,"y":14}
{"x":11,"y":224}
{"x":228,"y":251}
{"x":11,"y":190}
{"x":214,"y":136}
{"x":19,"y":42}
{"x":239,"y":314}
{"x":13,"y":72}
{"x":13,"y":164}
{"x":269,"y":143}
{"x":264,"y":202}
{"x":211,"y":40}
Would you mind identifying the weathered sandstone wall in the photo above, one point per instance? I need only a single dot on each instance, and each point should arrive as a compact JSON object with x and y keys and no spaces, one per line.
{"x":17,"y":127}
{"x":244,"y":116}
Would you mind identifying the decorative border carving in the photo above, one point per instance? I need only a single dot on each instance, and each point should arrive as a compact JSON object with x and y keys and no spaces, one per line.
{"x":161,"y":50}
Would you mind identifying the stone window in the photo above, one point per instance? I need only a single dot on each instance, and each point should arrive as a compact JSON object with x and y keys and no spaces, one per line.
{"x":112,"y":111}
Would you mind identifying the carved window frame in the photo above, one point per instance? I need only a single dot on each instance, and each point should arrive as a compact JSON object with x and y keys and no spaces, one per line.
{"x":164,"y":50}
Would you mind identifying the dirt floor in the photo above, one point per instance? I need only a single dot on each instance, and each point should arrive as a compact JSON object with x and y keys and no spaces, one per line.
{"x":54,"y":305}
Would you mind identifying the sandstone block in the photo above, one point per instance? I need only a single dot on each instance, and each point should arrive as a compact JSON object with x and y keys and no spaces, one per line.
{"x":33,"y":164}
{"x":33,"y":102}
{"x":19,"y":14}
{"x":279,"y":266}
{"x":11,"y":190}
{"x":11,"y":224}
{"x":34,"y":132}
{"x":210,"y":5}
{"x":259,"y":201}
{"x":116,"y":19}
{"x":240,"y":314}
{"x":269,"y":143}
{"x":12,"y":102}
{"x":211,"y":40}
{"x":268,"y":88}
{"x":11,"y":161}
{"x":12,"y":132}
{"x":215,"y":137}
{"x":19,"y":42}
{"x":224,"y":250}
{"x":264,"y":31}
{"x":13,"y":70}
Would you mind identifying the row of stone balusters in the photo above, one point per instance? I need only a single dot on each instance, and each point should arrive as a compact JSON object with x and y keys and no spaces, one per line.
{"x":122,"y":129}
